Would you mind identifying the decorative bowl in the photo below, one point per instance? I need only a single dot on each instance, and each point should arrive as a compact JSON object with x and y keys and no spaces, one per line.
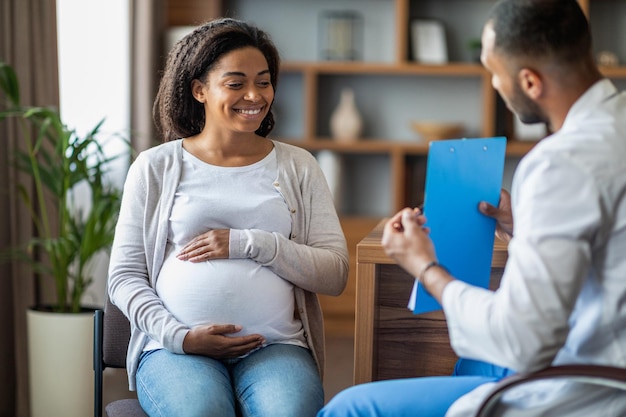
{"x":437,"y":130}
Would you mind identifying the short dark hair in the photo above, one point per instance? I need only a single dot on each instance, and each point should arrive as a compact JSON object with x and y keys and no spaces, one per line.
{"x":176,"y":113}
{"x":538,"y":29}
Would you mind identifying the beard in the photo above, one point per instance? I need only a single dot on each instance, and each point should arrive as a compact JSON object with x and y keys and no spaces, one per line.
{"x":526,"y":110}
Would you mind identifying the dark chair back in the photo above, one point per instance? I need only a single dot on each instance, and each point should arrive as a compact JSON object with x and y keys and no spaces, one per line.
{"x":115,"y":337}
{"x":111,"y":336}
{"x":608,"y":376}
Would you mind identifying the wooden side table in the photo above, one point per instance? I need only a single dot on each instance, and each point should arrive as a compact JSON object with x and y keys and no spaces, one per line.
{"x":390,"y":341}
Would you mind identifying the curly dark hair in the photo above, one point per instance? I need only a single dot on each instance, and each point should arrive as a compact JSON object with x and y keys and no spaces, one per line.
{"x":175,"y":112}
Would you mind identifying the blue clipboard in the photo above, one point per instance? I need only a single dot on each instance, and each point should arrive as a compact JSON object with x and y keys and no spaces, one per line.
{"x":460,"y":173}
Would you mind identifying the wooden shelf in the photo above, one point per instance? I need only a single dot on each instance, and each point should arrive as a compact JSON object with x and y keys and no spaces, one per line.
{"x":519,"y":148}
{"x":191,"y":12}
{"x":515,"y":148}
{"x":614,"y":72}
{"x":384,"y":69}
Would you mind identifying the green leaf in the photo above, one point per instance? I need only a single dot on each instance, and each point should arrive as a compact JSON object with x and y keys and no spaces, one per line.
{"x":9,"y":85}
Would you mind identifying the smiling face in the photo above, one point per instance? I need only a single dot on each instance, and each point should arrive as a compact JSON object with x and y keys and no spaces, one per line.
{"x":507,"y":80}
{"x":237,"y":93}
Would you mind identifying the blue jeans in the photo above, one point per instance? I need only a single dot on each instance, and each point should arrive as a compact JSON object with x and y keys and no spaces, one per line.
{"x":426,"y":396}
{"x":277,"y":380}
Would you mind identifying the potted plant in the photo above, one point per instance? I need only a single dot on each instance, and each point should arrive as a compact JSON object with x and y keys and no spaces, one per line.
{"x":68,"y":234}
{"x":474,"y":45}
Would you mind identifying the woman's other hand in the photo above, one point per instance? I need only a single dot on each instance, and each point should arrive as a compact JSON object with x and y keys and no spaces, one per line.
{"x":209,"y":245}
{"x":213,"y":341}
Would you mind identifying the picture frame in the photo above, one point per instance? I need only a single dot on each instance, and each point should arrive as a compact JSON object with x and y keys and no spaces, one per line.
{"x":340,"y":35}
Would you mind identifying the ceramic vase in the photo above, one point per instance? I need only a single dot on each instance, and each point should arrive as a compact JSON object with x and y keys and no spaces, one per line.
{"x":346,"y":123}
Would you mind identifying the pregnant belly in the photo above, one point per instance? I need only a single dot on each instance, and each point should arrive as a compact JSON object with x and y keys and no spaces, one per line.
{"x":228,"y":291}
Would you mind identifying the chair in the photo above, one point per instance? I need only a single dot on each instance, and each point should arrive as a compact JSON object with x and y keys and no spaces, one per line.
{"x":608,"y":376}
{"x":111,"y":336}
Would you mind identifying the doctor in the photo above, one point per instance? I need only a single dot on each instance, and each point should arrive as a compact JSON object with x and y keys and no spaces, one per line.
{"x":562,"y":295}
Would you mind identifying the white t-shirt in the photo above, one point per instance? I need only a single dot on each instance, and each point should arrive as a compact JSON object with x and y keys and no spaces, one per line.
{"x":228,"y":291}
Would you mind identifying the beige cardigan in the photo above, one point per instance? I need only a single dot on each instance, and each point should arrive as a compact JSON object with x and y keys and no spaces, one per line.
{"x":314,"y":258}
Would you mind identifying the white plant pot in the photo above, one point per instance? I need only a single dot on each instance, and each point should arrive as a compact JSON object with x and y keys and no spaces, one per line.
{"x":60,"y":354}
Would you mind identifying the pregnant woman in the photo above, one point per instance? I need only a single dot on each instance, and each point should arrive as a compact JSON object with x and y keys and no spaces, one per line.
{"x":225,"y":237}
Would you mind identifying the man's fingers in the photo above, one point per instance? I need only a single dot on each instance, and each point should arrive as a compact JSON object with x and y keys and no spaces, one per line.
{"x":487,"y":209}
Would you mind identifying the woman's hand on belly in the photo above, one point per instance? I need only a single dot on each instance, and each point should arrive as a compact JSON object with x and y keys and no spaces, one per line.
{"x":213,"y":341}
{"x":209,"y":245}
